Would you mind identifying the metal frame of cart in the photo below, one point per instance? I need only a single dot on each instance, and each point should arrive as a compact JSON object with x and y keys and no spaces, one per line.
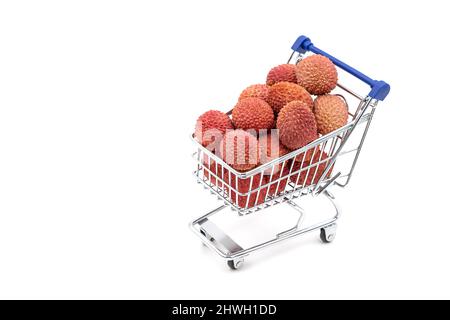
{"x":283,"y":175}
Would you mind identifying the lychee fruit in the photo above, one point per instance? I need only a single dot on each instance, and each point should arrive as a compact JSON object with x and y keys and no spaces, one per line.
{"x":282,"y":73}
{"x":310,"y":176}
{"x":331,"y":113}
{"x":213,"y":172}
{"x":307,"y":156}
{"x":253,"y":113}
{"x":297,"y":125}
{"x":282,"y":93}
{"x":317,"y":74}
{"x":244,"y":192}
{"x":240,"y":150}
{"x":278,"y":181}
{"x":271,"y":148}
{"x":211,"y":127}
{"x":260,"y":91}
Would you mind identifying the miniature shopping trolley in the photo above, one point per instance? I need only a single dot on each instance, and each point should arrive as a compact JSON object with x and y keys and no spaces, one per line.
{"x":311,"y":170}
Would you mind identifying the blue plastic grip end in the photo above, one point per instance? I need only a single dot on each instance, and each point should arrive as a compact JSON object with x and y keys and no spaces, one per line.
{"x":302,"y":44}
{"x":380,"y":89}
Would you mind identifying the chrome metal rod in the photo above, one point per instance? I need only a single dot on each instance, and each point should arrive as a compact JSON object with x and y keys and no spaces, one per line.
{"x":288,"y":235}
{"x":363,"y":138}
{"x":359,"y":116}
{"x":236,"y":253}
{"x":353,"y":93}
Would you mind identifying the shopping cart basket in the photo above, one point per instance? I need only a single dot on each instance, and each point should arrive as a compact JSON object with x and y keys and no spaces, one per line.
{"x":312,"y":170}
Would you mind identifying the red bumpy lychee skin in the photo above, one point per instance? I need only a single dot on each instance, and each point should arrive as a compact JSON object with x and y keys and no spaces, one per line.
{"x":282,"y":73}
{"x":297,"y":125}
{"x":247,"y":195}
{"x":240,"y":150}
{"x":312,"y":175}
{"x":212,"y":171}
{"x":253,"y":114}
{"x":282,"y":93}
{"x":317,"y":74}
{"x":278,"y":186}
{"x":260,"y":91}
{"x":271,"y":148}
{"x":331,"y":113}
{"x":211,"y":127}
{"x":306,"y":157}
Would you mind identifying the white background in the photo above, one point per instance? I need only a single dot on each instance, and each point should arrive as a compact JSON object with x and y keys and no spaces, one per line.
{"x":98,"y":98}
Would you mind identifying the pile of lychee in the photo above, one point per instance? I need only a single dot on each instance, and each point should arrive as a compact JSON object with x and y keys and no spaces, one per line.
{"x":269,"y":121}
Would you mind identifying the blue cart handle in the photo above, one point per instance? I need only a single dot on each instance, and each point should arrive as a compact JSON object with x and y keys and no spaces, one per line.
{"x":380,"y":89}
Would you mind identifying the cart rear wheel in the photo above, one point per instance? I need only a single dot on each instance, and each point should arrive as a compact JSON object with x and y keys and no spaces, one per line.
{"x":328,"y":234}
{"x":235,"y":264}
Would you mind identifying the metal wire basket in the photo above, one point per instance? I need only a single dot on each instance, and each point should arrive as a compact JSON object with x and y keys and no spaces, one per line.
{"x":312,"y":169}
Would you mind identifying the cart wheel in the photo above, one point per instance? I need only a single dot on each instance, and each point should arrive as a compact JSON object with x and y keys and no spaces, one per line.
{"x":235,"y":264}
{"x":328,"y":234}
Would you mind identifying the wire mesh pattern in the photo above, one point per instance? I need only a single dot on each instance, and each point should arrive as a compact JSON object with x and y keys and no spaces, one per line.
{"x":327,"y":161}
{"x":307,"y":170}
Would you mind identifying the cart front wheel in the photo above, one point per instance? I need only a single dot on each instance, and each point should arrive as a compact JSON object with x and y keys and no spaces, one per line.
{"x":235,"y":264}
{"x":328,"y":234}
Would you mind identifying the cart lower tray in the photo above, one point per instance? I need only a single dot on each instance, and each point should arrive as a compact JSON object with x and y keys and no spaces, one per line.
{"x":227,"y":248}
